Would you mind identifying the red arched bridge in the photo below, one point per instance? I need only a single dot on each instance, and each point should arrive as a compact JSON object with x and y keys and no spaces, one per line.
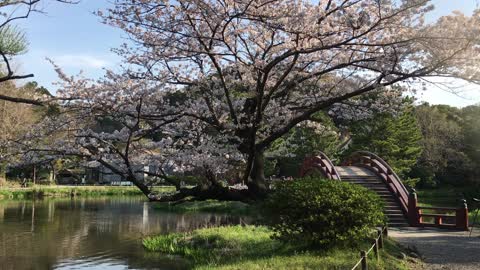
{"x":401,"y":204}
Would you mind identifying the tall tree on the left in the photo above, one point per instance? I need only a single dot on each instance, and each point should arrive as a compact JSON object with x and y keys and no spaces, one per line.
{"x":13,"y":41}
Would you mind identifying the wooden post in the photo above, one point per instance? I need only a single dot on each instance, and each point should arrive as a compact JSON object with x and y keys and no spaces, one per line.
{"x":385,"y":231}
{"x":380,"y":238}
{"x":462,"y":216}
{"x":363,"y":254}
{"x":438,"y":221}
{"x":413,"y":216}
{"x":34,"y":174}
{"x":375,"y":249}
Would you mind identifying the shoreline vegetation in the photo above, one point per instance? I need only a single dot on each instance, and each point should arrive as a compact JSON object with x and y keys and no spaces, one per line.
{"x":41,"y":191}
{"x":252,"y":247}
{"x":212,"y":206}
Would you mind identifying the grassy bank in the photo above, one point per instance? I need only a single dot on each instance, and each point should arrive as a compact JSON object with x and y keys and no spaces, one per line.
{"x":444,"y":196}
{"x":250,"y":247}
{"x":450,"y":197}
{"x":68,"y":191}
{"x":215,"y":206}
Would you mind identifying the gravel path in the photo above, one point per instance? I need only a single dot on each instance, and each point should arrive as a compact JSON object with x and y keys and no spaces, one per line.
{"x":441,"y":249}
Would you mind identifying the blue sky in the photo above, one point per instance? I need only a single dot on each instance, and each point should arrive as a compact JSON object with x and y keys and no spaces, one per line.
{"x":76,"y":40}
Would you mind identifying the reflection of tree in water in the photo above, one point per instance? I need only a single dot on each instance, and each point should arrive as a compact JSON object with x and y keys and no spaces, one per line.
{"x":45,"y":234}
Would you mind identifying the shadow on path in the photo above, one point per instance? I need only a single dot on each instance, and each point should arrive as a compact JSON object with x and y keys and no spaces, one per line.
{"x":442,"y":249}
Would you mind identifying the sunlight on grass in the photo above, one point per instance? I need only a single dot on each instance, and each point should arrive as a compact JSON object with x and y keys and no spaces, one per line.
{"x":251,"y":247}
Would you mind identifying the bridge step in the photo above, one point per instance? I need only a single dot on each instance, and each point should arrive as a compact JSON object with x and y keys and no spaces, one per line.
{"x":369,"y":184}
{"x":376,"y":180}
{"x":393,"y":212}
{"x":392,"y":209}
{"x":398,"y":224}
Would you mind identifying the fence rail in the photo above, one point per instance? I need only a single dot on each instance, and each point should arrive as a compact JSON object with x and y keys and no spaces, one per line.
{"x":376,"y":246}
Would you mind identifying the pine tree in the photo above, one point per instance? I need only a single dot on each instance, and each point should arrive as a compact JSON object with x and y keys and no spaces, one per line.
{"x":396,"y":139}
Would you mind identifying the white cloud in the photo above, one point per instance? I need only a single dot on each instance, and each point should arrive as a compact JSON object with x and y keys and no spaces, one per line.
{"x":453,"y":92}
{"x":82,"y":61}
{"x":35,"y":62}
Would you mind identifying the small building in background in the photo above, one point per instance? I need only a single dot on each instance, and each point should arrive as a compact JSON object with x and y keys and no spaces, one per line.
{"x":69,"y":177}
{"x":96,"y":173}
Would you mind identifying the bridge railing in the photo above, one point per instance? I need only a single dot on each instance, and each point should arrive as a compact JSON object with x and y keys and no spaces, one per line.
{"x":442,"y":217}
{"x":386,"y":173}
{"x":322,"y":163}
{"x":418,"y":216}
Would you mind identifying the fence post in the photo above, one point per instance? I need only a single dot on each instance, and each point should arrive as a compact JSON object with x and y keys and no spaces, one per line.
{"x":380,"y":238}
{"x":375,"y":249}
{"x":385,"y":230}
{"x":363,"y":254}
{"x":461,"y":216}
{"x":413,"y":216}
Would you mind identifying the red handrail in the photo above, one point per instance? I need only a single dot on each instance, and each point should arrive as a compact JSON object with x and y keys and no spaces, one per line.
{"x":408,"y":200}
{"x":385,"y":172}
{"x":441,"y":215}
{"x":320,"y":162}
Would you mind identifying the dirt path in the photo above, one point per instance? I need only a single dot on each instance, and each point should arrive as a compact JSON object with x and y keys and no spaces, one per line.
{"x":442,"y":249}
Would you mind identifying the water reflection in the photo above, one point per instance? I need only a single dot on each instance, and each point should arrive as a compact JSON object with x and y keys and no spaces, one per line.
{"x":91,"y":233}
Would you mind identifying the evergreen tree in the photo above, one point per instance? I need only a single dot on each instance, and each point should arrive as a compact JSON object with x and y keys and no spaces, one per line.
{"x":286,"y":155}
{"x":397,"y":139}
{"x":471,"y":135}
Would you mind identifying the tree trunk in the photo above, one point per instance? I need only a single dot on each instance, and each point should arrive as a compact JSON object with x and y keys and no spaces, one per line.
{"x":257,"y":187}
{"x":200,"y":193}
{"x":145,"y":190}
{"x":256,"y":182}
{"x":34,"y":174}
{"x":52,"y":173}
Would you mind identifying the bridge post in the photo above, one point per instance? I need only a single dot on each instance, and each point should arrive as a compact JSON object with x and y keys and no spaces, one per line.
{"x":461,"y":216}
{"x":413,"y":215}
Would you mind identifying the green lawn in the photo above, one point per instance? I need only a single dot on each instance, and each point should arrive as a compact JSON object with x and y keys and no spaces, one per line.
{"x":251,"y":247}
{"x":445,"y":196}
{"x":67,"y":191}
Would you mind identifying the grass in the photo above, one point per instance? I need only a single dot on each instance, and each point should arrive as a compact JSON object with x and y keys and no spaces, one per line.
{"x":68,"y":191}
{"x":441,"y":197}
{"x":212,"y":206}
{"x":252,"y":247}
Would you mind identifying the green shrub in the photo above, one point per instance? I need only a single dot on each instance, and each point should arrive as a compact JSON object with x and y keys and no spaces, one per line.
{"x":322,"y":212}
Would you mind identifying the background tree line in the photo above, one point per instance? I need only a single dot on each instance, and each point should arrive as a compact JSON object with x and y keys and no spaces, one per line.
{"x":256,"y":86}
{"x":427,"y":145}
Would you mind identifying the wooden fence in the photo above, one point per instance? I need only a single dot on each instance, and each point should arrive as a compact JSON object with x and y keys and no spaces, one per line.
{"x":376,"y":246}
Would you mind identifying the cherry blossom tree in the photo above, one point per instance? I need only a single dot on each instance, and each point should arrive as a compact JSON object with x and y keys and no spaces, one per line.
{"x":247,"y":72}
{"x":130,"y":128}
{"x":257,"y":68}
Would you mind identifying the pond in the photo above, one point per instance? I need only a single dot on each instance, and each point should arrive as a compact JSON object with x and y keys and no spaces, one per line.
{"x":100,"y":233}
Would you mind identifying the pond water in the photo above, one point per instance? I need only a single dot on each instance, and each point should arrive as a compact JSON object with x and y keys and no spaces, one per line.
{"x":101,"y":233}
